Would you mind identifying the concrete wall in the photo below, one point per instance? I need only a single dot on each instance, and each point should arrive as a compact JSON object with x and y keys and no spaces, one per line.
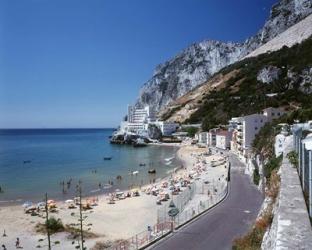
{"x":291,"y":228}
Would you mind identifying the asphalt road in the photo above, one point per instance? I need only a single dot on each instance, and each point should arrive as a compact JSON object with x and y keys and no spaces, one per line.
{"x":217,"y":228}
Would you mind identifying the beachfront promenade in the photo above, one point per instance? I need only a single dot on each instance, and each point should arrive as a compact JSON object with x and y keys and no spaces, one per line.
{"x":218,"y":227}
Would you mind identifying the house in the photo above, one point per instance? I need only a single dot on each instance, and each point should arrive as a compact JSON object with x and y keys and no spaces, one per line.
{"x":212,"y":137}
{"x":203,"y":138}
{"x":223,"y":138}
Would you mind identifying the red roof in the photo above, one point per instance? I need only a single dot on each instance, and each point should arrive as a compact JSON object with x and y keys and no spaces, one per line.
{"x":223,"y":132}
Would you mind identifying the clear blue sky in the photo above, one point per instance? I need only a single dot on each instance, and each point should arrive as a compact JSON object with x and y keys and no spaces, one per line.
{"x":71,"y":63}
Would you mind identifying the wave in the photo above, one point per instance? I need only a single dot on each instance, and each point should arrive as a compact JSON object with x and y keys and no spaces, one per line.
{"x":95,"y":190}
{"x":168,"y":163}
{"x":169,"y":159}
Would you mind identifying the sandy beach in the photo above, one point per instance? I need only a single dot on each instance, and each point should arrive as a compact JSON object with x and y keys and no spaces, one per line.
{"x":122,"y":220}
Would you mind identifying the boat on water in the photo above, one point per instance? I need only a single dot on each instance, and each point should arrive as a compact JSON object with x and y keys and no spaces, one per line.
{"x":27,"y":161}
{"x":142,"y":164}
{"x":107,"y":158}
{"x":152,"y":171}
{"x":135,"y":173}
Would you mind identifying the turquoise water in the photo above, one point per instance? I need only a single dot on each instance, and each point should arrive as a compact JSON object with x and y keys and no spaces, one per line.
{"x":56,"y":155}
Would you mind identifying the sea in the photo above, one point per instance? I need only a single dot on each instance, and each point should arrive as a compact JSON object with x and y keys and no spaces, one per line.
{"x":54,"y":161}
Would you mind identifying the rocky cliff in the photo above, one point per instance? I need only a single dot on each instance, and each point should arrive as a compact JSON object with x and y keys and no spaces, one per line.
{"x":197,"y":63}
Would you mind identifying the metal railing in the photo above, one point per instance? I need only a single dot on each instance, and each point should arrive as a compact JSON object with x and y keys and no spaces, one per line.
{"x":217,"y":192}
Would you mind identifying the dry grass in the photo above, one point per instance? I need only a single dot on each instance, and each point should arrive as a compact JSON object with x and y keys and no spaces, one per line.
{"x":253,"y":239}
{"x":274,"y":185}
{"x":102,"y":245}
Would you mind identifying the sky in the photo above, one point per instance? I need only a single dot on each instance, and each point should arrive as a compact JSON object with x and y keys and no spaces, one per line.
{"x":79,"y":63}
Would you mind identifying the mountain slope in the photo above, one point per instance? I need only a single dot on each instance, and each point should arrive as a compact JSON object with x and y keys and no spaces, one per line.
{"x":196,"y":64}
{"x":293,"y":35}
{"x":281,"y":78}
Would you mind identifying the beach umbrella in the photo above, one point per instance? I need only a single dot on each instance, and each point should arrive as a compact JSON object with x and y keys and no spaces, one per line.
{"x":40,"y":204}
{"x":27,"y":204}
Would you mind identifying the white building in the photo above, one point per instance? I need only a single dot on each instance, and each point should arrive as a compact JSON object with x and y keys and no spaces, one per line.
{"x":167,"y":128}
{"x":203,"y":138}
{"x":223,"y":138}
{"x":247,"y":127}
{"x":140,"y":118}
{"x":140,"y":115}
{"x":212,"y":137}
{"x":244,"y":132}
{"x":273,"y":113}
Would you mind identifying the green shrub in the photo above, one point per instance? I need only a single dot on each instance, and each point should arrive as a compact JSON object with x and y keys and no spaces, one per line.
{"x":256,"y":176}
{"x":54,"y":225}
{"x":191,"y":131}
{"x":273,"y":164}
{"x":293,"y":158}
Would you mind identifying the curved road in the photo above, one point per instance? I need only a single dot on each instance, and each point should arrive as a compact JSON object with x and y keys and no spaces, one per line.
{"x":217,"y":228}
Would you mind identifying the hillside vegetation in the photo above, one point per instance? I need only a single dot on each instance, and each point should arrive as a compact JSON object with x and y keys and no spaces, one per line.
{"x":244,"y":93}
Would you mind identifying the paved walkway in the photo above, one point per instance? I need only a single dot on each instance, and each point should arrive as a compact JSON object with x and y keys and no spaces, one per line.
{"x":216,"y":229}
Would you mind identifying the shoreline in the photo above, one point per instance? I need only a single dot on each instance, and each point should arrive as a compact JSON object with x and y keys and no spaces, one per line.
{"x":105,"y":191}
{"x":111,"y":221}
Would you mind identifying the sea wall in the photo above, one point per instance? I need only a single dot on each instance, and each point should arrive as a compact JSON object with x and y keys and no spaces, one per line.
{"x":291,"y":228}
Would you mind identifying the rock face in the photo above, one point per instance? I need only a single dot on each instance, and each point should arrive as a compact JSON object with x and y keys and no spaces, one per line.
{"x":302,"y":79}
{"x":268,"y":74}
{"x":197,"y":63}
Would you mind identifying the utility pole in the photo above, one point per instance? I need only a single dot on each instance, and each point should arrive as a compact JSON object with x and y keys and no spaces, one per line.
{"x":81,"y":219}
{"x":47,"y":220}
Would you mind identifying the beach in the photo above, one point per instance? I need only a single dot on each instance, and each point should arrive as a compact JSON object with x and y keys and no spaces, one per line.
{"x":124,"y":219}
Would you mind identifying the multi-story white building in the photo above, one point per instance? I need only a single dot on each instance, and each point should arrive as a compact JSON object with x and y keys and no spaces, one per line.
{"x":140,"y":115}
{"x":212,"y":137}
{"x":138,"y":120}
{"x":247,"y":127}
{"x":273,"y":113}
{"x":223,"y":138}
{"x":203,"y":138}
{"x":244,"y":132}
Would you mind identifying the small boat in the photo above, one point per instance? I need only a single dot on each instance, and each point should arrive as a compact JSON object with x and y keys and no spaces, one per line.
{"x":134,"y":172}
{"x":107,"y":158}
{"x":152,"y":171}
{"x":28,"y":161}
{"x":142,"y":164}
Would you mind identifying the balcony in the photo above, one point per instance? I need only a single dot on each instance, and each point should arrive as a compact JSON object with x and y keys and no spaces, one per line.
{"x":240,"y":134}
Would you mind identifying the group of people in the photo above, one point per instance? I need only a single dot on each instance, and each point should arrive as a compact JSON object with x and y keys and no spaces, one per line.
{"x":17,"y":242}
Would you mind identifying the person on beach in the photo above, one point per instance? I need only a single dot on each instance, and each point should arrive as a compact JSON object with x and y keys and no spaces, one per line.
{"x":4,"y":233}
{"x":3,"y":247}
{"x":17,"y":243}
